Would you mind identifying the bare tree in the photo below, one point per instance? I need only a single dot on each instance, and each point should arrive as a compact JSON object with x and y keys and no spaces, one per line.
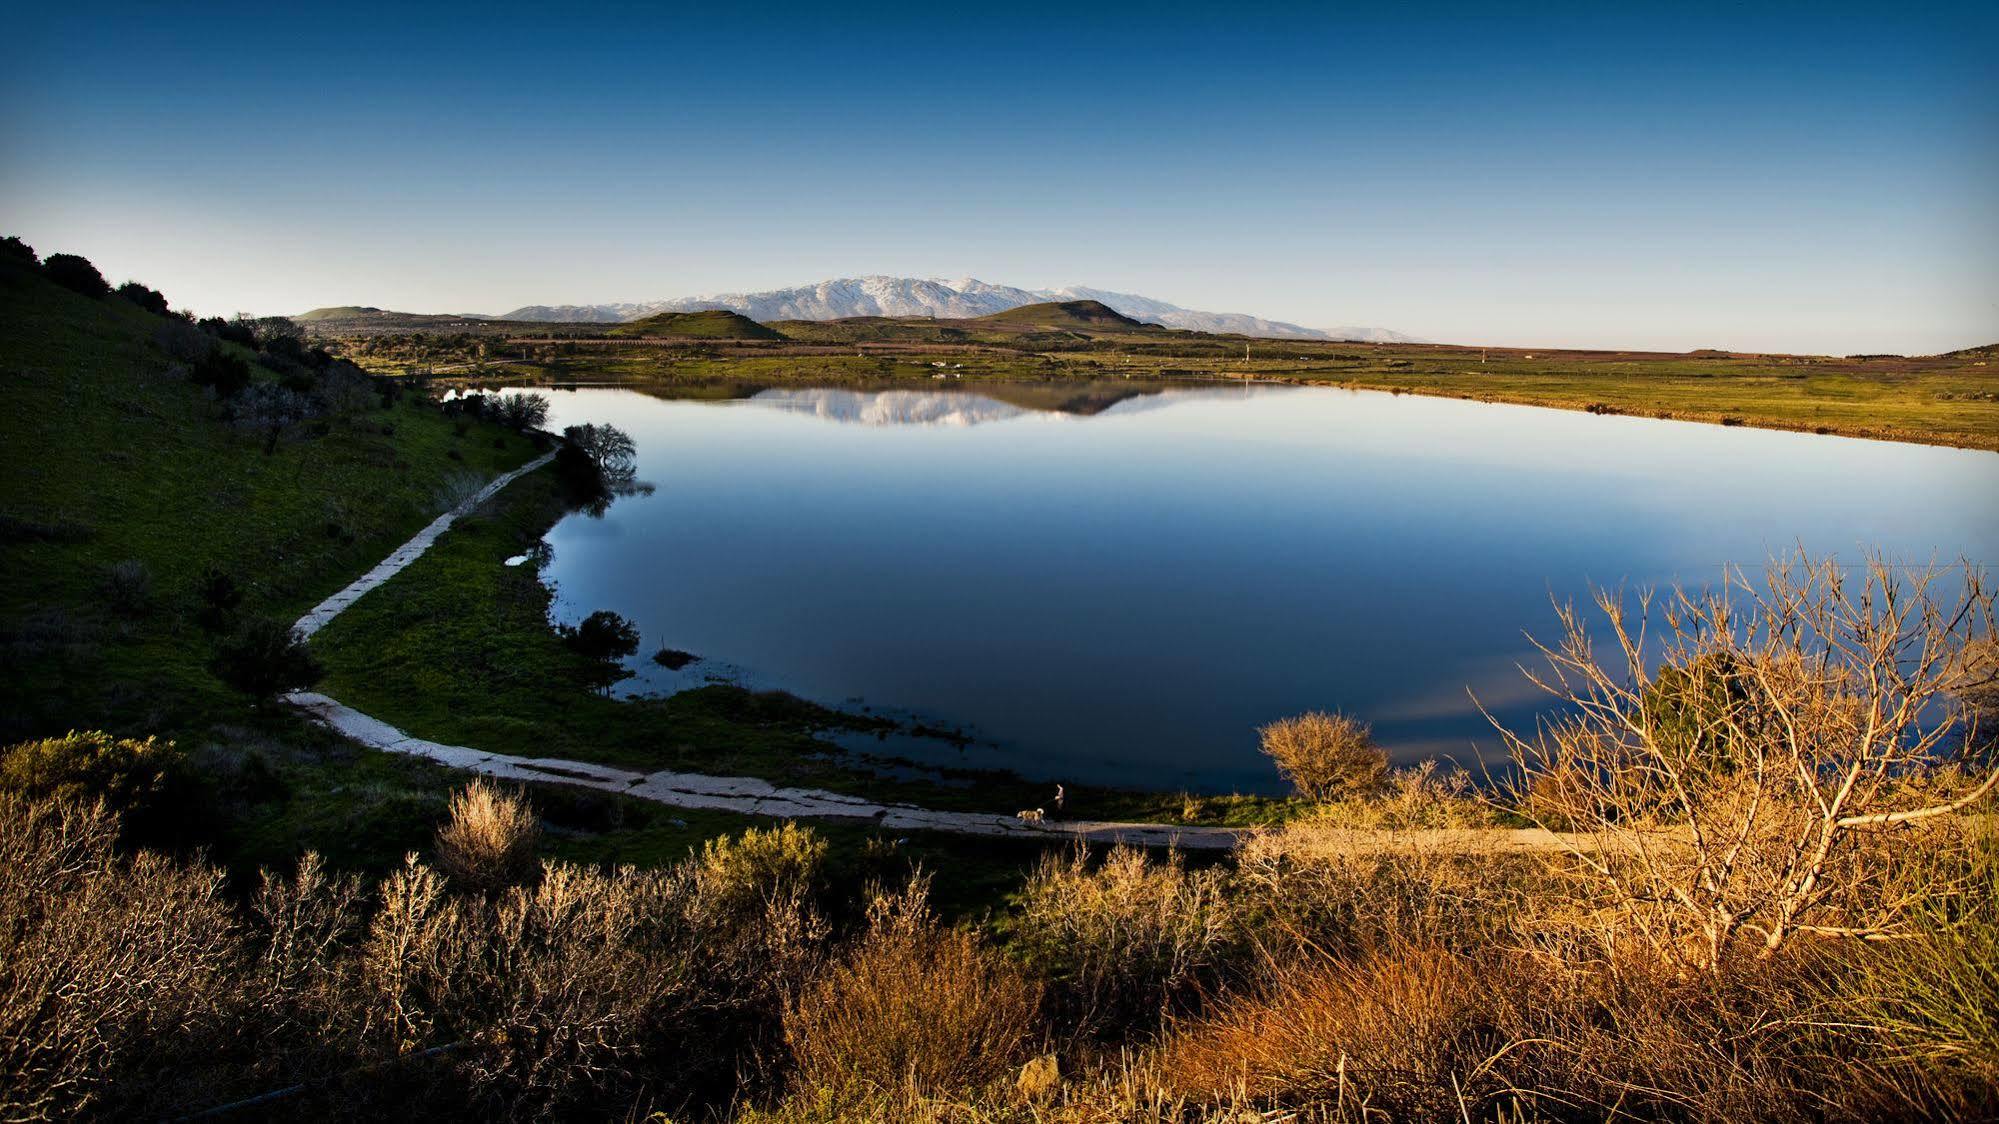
{"x":1751,"y":760}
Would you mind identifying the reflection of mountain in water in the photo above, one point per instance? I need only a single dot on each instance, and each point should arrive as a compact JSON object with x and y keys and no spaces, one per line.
{"x":990,"y":403}
{"x":890,"y":407}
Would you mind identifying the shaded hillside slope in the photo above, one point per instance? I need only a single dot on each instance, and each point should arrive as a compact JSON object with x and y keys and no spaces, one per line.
{"x":129,"y":482}
{"x":709,"y":324}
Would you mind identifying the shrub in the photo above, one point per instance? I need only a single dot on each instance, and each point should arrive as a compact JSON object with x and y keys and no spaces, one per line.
{"x":149,"y":299}
{"x":1326,"y":756}
{"x":128,"y":588}
{"x":183,"y":342}
{"x":90,"y":765}
{"x":118,"y":972}
{"x":1327,"y":887}
{"x":1126,"y":937}
{"x":17,"y":250}
{"x":739,"y":874}
{"x":1933,"y":997}
{"x":269,"y":409}
{"x":76,"y":274}
{"x":489,"y":842}
{"x":1392,"y":1032}
{"x":910,"y":1005}
{"x":219,"y":598}
{"x":344,"y":389}
{"x":265,"y":658}
{"x":226,"y":374}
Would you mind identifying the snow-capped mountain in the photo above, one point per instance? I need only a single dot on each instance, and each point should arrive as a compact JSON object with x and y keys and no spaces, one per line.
{"x":961,"y":299}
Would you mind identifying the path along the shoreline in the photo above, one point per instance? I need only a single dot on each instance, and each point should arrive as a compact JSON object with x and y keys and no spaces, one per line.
{"x":746,"y":795}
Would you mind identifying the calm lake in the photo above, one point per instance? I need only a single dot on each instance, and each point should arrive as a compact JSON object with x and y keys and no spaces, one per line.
{"x":1101,"y":585}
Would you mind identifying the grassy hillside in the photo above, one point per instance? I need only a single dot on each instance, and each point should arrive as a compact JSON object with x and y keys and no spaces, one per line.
{"x":710,"y":324}
{"x":120,"y":458}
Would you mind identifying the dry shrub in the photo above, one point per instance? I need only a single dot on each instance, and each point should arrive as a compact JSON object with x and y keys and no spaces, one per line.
{"x":573,"y":979}
{"x":911,"y":1005}
{"x":489,"y":842}
{"x":1427,"y":795}
{"x":1125,"y":937}
{"x":1332,"y":888}
{"x":1431,"y":1034}
{"x":1395,"y":1034}
{"x":1326,"y":756}
{"x":1932,"y":1000}
{"x":112,"y":970}
{"x":304,"y":926}
{"x":1751,"y":766}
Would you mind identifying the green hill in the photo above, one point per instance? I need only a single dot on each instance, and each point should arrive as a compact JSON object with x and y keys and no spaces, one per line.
{"x":711,"y":324}
{"x":1075,"y":316}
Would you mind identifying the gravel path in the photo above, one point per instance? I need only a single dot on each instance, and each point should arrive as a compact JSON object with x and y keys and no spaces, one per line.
{"x":746,"y":795}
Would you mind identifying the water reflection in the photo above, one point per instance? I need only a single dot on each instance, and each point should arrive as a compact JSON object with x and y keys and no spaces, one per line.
{"x":967,"y":407}
{"x":1127,"y":596}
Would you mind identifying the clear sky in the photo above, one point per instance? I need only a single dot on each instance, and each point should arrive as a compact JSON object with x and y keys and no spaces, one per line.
{"x":1791,"y":177}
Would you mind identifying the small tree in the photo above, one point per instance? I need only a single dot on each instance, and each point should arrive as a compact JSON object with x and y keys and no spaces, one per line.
{"x":265,"y":658}
{"x":489,"y":842}
{"x":13,"y":248}
{"x":597,"y":463}
{"x":1752,"y":767}
{"x":1326,"y":756}
{"x":76,"y":274}
{"x":604,"y":638}
{"x":522,"y":411}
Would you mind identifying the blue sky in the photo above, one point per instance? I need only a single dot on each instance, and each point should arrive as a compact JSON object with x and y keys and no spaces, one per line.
{"x":1805,"y":178}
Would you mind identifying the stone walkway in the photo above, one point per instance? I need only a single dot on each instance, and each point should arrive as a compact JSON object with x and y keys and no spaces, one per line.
{"x":745,"y":795}
{"x":410,"y":551}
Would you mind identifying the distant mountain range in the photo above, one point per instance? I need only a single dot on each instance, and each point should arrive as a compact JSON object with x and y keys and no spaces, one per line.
{"x":951,"y":300}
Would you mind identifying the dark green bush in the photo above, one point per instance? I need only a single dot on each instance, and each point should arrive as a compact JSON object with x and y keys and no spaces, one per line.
{"x":152,"y":300}
{"x":265,"y":658}
{"x":227,"y":374}
{"x":76,"y":274}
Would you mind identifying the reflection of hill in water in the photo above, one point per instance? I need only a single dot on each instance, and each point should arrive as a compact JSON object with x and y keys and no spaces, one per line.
{"x":990,"y":402}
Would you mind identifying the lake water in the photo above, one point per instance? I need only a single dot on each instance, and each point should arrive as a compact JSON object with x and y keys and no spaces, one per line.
{"x":1120,"y":589}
